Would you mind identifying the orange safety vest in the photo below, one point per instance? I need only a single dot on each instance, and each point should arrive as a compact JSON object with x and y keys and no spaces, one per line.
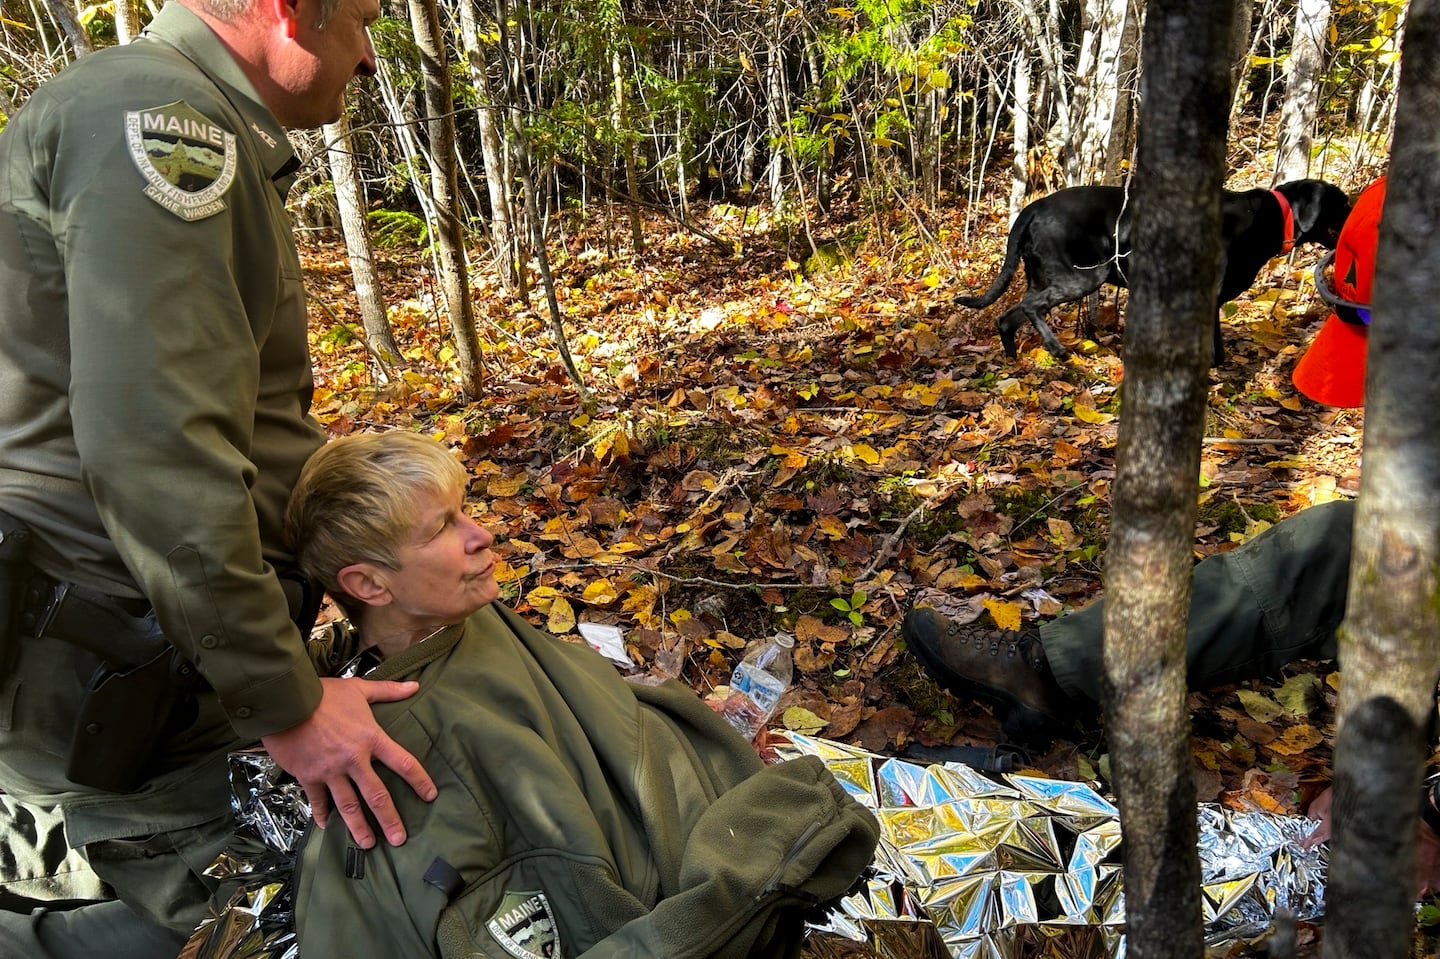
{"x":1332,"y":371}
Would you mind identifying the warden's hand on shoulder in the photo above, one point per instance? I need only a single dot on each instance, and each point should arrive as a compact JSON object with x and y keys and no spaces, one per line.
{"x":332,"y":753}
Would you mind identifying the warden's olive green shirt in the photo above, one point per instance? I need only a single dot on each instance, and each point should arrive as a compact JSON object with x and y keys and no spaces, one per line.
{"x":154,"y":374}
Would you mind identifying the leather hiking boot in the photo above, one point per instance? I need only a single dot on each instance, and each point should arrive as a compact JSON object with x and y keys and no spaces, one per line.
{"x":1002,"y":667}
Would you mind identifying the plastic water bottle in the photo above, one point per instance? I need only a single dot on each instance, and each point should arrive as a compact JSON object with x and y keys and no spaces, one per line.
{"x":758,"y":683}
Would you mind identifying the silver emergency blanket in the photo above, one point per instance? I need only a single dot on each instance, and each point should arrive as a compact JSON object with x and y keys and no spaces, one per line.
{"x":258,"y":918}
{"x":1008,"y":866}
{"x":970,"y":864}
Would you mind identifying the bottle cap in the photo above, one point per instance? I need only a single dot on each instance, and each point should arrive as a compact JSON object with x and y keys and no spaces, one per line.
{"x":784,"y":639}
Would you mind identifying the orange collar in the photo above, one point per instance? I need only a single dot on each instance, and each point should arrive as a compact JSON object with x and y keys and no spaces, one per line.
{"x":1289,"y":216}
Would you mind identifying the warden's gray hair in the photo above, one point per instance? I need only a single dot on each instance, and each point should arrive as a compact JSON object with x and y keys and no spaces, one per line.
{"x":228,"y":10}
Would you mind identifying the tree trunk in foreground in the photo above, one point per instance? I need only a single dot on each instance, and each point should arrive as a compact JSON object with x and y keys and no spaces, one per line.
{"x":1175,"y":277}
{"x":1388,"y":643}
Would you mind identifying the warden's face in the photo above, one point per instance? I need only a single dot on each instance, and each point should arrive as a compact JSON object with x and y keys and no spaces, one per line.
{"x":314,"y":68}
{"x":447,"y":569}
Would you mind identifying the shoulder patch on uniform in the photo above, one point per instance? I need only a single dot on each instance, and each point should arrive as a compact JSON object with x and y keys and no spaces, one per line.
{"x":524,"y":925}
{"x":187,"y":160}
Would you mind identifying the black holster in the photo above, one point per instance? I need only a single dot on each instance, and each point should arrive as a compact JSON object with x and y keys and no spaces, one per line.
{"x":129,"y":714}
{"x":144,"y":690}
{"x":141,"y":694}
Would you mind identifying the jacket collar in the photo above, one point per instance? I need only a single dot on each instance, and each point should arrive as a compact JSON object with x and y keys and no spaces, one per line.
{"x":408,"y":660}
{"x":180,"y":28}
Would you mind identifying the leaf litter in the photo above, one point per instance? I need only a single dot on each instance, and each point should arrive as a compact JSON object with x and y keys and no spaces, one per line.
{"x":770,"y":448}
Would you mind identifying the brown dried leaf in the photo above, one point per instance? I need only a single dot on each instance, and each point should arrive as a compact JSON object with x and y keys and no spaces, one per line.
{"x":808,"y":659}
{"x":884,"y":728}
{"x":1256,"y":732}
{"x":1296,"y":740}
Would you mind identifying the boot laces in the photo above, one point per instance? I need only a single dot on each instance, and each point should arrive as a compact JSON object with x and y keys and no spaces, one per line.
{"x":1015,"y":644}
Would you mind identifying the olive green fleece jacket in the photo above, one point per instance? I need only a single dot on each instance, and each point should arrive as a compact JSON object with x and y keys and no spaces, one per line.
{"x":578,"y":815}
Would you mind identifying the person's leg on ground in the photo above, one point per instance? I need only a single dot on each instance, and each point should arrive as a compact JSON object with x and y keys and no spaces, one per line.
{"x":1275,"y":599}
{"x":150,"y":847}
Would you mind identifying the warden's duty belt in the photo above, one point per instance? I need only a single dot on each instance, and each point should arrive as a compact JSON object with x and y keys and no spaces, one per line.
{"x":120,"y":631}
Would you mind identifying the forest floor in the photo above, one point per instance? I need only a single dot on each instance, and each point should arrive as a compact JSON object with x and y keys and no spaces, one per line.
{"x":815,"y":443}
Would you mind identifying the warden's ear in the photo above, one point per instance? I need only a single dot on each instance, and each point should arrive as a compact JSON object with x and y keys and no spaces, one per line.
{"x":285,"y":13}
{"x":365,"y":582}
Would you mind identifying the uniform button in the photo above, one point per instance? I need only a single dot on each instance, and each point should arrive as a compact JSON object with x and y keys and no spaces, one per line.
{"x":243,"y":712}
{"x":209,"y":641}
{"x":92,"y":728}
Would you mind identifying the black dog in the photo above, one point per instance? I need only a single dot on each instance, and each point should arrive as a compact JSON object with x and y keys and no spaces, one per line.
{"x":1074,"y":240}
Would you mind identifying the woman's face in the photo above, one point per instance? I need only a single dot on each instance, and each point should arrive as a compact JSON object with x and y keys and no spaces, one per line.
{"x":447,"y":570}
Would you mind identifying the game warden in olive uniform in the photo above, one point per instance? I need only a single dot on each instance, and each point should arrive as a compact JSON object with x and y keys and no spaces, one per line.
{"x":154,"y":393}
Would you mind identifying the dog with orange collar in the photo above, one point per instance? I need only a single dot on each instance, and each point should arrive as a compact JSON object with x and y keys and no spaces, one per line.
{"x":1075,"y":240}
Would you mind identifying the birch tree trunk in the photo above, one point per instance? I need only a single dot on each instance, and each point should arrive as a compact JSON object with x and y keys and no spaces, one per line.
{"x":127,"y":21}
{"x":1119,"y":152}
{"x":350,"y":198}
{"x":1043,"y":29}
{"x":1302,"y":89}
{"x":1388,"y":647}
{"x":1020,"y":112}
{"x":444,"y":191}
{"x":1175,"y":275}
{"x":492,"y":152}
{"x":773,"y":93}
{"x":1096,"y":85}
{"x":404,"y":122}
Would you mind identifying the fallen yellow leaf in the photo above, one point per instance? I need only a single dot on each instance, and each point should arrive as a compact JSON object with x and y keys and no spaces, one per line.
{"x":1296,"y":740}
{"x":1005,"y":613}
{"x":562,"y":616}
{"x":601,"y":592}
{"x":505,"y":485}
{"x":801,"y":720}
{"x":959,"y":579}
{"x":1086,"y":414}
{"x":1260,"y":707}
{"x":541,"y":597}
{"x":864,"y":453}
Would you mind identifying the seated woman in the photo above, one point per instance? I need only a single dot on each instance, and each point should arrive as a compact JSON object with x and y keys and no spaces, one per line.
{"x":577,"y":814}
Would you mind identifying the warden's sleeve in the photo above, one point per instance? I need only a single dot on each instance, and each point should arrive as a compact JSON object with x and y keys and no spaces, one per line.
{"x":166,"y":365}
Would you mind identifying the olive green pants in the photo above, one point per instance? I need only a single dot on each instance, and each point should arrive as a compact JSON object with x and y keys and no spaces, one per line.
{"x":36,"y":864}
{"x":146,"y":851}
{"x":54,"y":906}
{"x":1275,"y":599}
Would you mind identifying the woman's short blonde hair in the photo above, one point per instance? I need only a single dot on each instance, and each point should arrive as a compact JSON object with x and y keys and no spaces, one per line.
{"x":358,"y":498}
